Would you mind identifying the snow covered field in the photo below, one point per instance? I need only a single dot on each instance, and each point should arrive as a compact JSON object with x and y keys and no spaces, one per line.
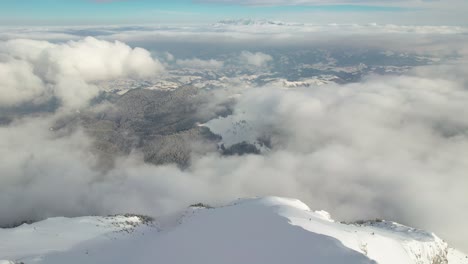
{"x":260,"y":230}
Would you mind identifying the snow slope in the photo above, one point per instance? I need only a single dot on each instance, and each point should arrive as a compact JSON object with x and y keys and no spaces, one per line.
{"x":235,"y":131}
{"x":30,"y":242}
{"x":261,"y":230}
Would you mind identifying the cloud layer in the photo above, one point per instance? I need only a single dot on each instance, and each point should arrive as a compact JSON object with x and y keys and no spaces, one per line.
{"x":389,"y":146}
{"x":392,"y":148}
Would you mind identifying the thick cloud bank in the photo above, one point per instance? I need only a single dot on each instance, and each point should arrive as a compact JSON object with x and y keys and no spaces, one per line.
{"x":393,"y":147}
{"x":19,"y":83}
{"x":31,"y":69}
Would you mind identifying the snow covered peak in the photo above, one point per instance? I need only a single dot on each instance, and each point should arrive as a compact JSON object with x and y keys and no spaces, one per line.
{"x":250,"y":22}
{"x":257,"y":230}
{"x":272,"y":201}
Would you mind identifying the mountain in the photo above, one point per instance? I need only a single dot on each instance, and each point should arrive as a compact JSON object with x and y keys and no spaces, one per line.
{"x":260,"y":230}
{"x":250,"y":22}
{"x":162,"y":124}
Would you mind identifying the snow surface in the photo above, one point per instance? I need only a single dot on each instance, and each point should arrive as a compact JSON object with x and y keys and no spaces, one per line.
{"x":61,"y":234}
{"x":260,"y":230}
{"x":234,"y":131}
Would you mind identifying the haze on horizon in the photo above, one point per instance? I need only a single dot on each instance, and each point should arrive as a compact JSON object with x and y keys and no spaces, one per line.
{"x":102,"y":12}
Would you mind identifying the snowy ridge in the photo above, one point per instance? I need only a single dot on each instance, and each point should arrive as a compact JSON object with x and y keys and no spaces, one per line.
{"x":258,"y":230}
{"x":29,"y":242}
{"x":251,"y":22}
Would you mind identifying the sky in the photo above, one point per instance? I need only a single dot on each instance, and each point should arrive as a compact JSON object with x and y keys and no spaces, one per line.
{"x":91,"y":12}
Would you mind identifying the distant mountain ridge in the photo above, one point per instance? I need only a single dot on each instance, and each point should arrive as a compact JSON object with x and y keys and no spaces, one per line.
{"x":249,"y":22}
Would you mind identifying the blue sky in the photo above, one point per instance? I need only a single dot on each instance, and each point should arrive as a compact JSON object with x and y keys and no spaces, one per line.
{"x":71,"y":12}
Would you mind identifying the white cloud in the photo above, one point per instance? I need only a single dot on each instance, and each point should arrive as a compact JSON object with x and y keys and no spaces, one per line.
{"x":18,"y":83}
{"x":69,"y":69}
{"x":258,"y":59}
{"x":391,"y":147}
{"x":89,"y":59}
{"x":372,"y":146}
{"x":169,"y":56}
